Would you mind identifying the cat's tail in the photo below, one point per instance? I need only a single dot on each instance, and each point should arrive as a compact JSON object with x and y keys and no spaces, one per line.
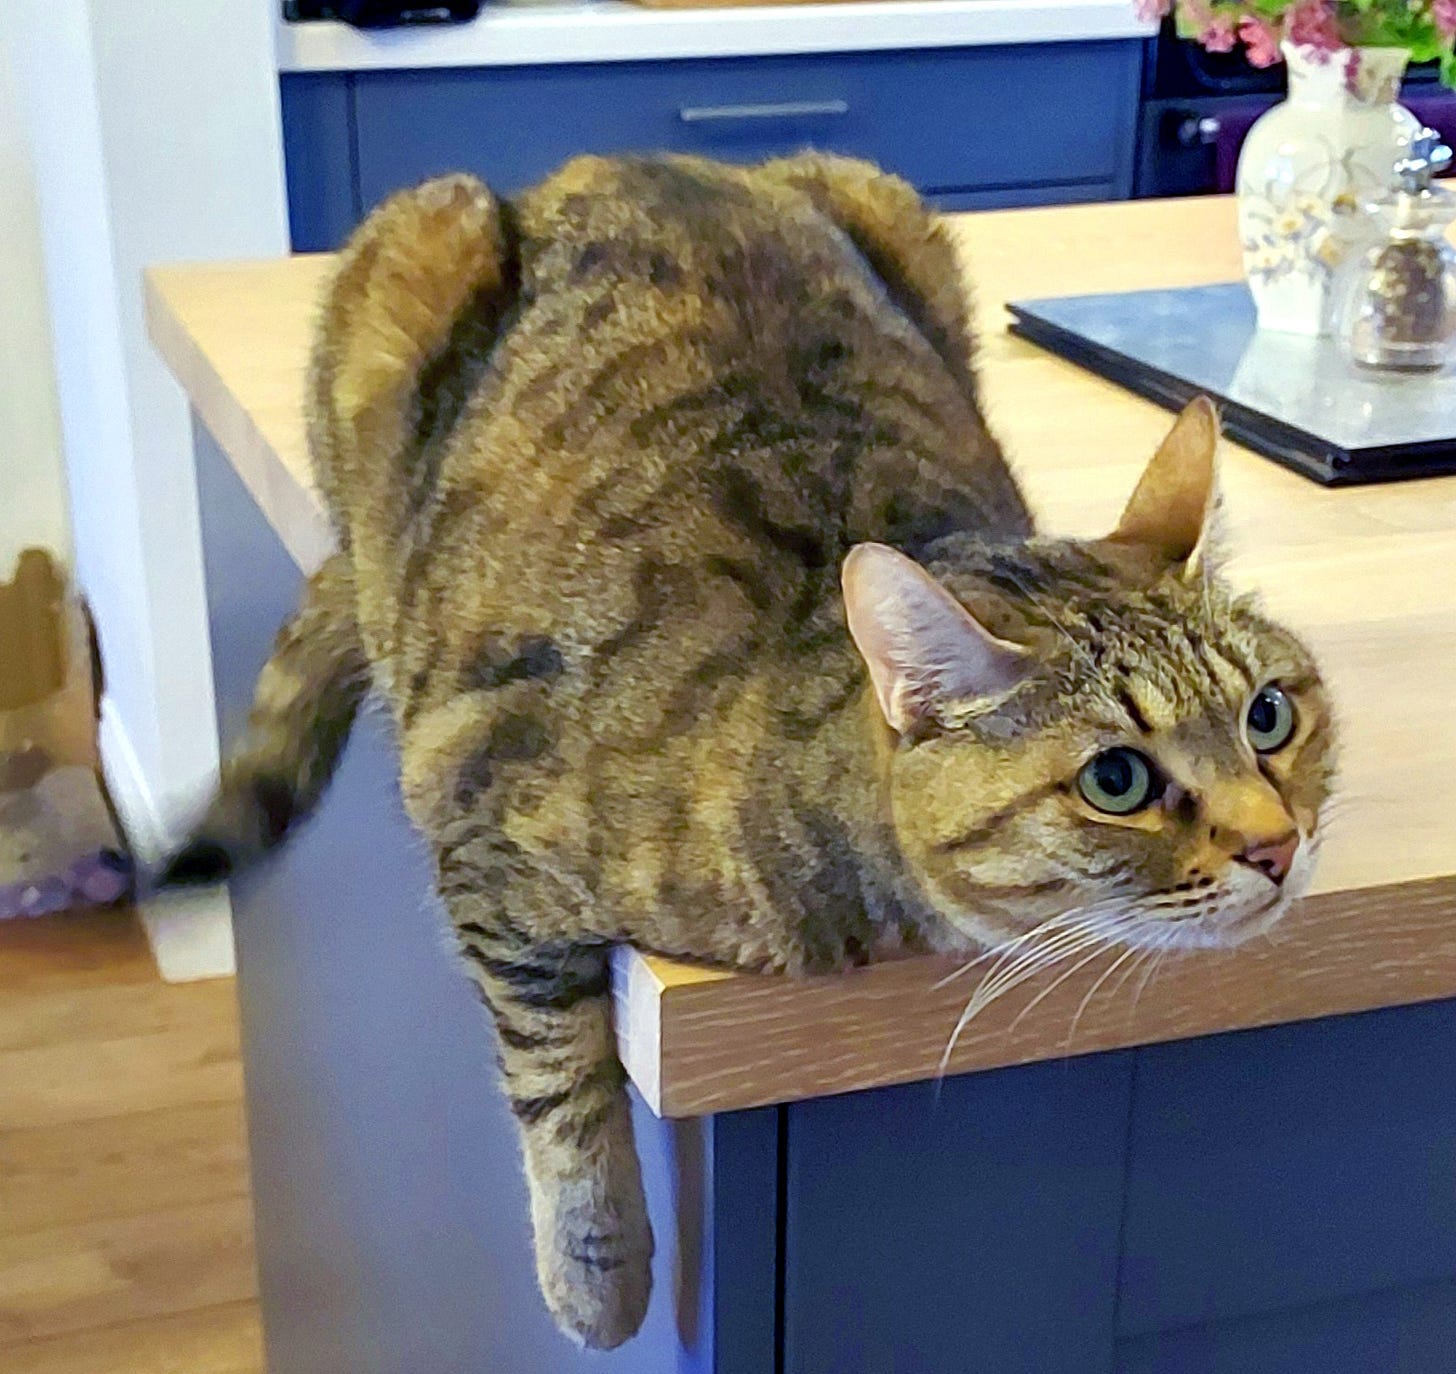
{"x":304,"y":704}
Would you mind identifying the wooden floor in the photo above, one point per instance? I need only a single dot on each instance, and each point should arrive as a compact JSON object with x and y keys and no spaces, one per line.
{"x":125,"y":1238}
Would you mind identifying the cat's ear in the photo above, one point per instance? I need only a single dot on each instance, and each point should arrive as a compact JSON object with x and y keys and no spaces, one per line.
{"x":1172,"y":507}
{"x":921,"y":645}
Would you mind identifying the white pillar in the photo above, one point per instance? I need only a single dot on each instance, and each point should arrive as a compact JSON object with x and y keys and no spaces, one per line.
{"x":154,"y":126}
{"x":32,"y":482}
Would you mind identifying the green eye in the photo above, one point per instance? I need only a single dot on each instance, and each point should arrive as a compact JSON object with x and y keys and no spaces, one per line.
{"x":1271,"y":719}
{"x":1119,"y":781}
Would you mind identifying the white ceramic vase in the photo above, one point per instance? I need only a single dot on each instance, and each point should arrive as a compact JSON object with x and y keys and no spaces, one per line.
{"x":1306,"y":171}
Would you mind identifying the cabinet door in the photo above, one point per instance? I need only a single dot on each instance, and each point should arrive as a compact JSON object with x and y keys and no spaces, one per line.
{"x":1291,"y":1166}
{"x":973,"y":1231}
{"x":1410,"y":1332}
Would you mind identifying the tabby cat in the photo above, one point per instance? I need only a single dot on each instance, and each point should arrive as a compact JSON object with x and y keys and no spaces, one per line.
{"x":712,"y":621}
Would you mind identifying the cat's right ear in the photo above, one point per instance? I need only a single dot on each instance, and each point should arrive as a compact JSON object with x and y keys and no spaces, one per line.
{"x":922,"y":647}
{"x":1173,"y":504}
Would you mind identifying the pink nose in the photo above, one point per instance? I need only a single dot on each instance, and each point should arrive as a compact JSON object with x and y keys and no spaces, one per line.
{"x":1273,"y":858}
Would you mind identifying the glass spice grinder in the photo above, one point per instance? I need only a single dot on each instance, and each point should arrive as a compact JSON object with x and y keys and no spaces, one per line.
{"x":1395,"y":299}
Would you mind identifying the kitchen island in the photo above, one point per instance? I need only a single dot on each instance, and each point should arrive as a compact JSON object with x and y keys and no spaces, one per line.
{"x":1248,"y":1164}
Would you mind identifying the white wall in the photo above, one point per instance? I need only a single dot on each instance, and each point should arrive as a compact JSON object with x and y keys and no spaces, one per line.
{"x":32,"y":481}
{"x":155,"y":131}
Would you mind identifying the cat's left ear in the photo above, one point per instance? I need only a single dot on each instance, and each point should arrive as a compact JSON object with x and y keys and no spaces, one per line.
{"x":1172,"y":508}
{"x":922,"y":647}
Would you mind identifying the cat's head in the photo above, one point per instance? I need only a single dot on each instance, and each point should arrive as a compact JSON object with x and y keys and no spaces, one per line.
{"x":1096,"y":731}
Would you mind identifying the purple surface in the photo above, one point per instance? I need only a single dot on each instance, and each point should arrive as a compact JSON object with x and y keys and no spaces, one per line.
{"x":97,"y":880}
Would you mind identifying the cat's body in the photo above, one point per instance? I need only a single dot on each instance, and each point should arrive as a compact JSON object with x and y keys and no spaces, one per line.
{"x":596,"y":462}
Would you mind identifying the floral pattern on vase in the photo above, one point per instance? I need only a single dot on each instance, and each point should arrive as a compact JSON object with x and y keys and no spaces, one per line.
{"x":1306,"y":172}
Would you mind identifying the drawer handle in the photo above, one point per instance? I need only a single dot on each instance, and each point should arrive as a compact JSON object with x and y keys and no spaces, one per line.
{"x":786,"y":109}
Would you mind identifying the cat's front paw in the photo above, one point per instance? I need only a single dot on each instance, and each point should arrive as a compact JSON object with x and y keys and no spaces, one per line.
{"x":597,"y":1283}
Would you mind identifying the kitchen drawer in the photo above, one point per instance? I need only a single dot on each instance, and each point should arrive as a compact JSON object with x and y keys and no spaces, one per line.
{"x":1409,"y":1332}
{"x":970,"y":1228}
{"x":1017,"y":197}
{"x":1290,"y":1166}
{"x":948,"y":120}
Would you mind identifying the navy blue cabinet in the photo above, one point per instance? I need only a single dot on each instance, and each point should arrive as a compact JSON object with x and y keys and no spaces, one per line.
{"x":970,"y":127}
{"x":1291,"y":1167}
{"x":1405,"y":1332}
{"x":974,"y":1228}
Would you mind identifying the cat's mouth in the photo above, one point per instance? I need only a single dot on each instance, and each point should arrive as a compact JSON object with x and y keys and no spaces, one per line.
{"x":1241,"y":907}
{"x":1216,"y":928}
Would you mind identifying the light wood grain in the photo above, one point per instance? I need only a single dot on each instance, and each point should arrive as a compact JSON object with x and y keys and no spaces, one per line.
{"x":242,"y":361}
{"x":125,"y":1235}
{"x":129,"y":1165}
{"x":209,"y":1340}
{"x":741,"y":1042}
{"x":116,"y":1012}
{"x":71,"y":1278}
{"x":88,"y":1080}
{"x":102,"y":950}
{"x":1364,"y":574}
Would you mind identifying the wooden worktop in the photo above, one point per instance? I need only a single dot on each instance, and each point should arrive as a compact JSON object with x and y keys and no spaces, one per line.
{"x":1365,"y":574}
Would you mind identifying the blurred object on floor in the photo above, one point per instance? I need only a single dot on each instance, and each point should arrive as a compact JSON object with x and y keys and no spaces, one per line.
{"x":33,"y":664}
{"x":58,"y":843}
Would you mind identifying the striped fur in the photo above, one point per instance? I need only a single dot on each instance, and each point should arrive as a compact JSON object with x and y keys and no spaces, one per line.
{"x":596,"y":460}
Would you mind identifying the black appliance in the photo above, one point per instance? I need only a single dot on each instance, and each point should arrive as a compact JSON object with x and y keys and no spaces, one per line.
{"x":1197,"y":107}
{"x":383,"y":14}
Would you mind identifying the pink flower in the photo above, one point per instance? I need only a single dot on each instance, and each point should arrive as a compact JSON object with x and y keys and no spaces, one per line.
{"x":1262,"y":40}
{"x":1443,"y":14}
{"x":1220,"y":34}
{"x":1311,"y":24}
{"x":1148,"y":10}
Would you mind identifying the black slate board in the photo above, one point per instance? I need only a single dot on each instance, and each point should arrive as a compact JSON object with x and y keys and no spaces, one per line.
{"x":1293,"y":399}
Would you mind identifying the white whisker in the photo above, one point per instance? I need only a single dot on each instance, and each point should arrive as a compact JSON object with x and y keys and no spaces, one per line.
{"x":1145,"y":953}
{"x":1031,"y":960}
{"x":1152,"y":968}
{"x":1008,"y":954}
{"x":1001,"y":952}
{"x":960,"y":972}
{"x":1102,"y":917}
{"x":1068,"y":944}
{"x":1130,"y":952}
{"x":1102,"y":947}
{"x":1097,"y":926}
